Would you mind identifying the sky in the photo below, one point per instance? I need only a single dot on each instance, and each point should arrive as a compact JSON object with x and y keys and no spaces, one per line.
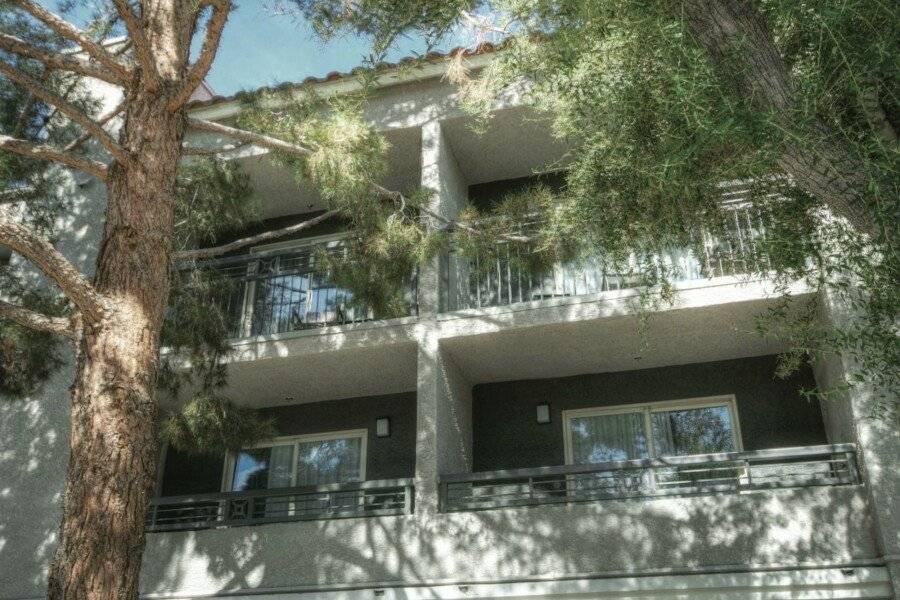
{"x":260,"y":48}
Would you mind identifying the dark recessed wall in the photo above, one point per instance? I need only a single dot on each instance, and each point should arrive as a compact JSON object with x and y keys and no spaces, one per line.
{"x":327,"y":227}
{"x":386,"y":458}
{"x":771,"y":411}
{"x":485,"y":196}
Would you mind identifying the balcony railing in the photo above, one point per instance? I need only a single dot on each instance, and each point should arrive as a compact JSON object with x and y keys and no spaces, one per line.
{"x":230,"y":509}
{"x":288,"y":290}
{"x":682,"y":475}
{"x":498,"y":279}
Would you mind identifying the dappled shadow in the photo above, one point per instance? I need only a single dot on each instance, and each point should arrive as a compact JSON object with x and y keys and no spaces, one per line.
{"x":785,"y":529}
{"x":34,"y":431}
{"x":34,"y":437}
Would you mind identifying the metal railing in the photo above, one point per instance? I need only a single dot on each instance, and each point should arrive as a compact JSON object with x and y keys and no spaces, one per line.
{"x":500,"y":279}
{"x":230,"y":509}
{"x":681,"y":475}
{"x":288,"y":290}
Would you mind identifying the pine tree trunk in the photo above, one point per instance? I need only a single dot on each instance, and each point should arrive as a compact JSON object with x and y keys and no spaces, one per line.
{"x":112,"y":465}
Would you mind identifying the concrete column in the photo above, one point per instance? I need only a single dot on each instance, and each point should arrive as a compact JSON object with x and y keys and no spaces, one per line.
{"x":444,"y":423}
{"x":851,"y":417}
{"x":440,"y":175}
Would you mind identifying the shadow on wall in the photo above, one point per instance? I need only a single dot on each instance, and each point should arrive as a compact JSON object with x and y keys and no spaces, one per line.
{"x":34,"y":438}
{"x":779,"y":528}
{"x":34,"y":432}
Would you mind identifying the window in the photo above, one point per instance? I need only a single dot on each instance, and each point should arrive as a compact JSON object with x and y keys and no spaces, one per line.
{"x":300,"y":461}
{"x":676,"y":428}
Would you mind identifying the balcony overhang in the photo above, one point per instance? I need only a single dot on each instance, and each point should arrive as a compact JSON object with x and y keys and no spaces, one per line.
{"x":329,"y":363}
{"x":709,"y":320}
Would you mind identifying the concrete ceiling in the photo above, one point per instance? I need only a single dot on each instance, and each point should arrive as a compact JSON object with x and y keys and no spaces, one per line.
{"x":343,"y":373}
{"x":280,"y":194}
{"x":673,"y":337}
{"x":516,"y":143}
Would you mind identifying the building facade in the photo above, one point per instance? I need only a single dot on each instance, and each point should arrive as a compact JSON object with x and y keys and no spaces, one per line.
{"x":515,"y":435}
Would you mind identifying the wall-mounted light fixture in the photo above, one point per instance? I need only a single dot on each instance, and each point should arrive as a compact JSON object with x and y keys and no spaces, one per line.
{"x":543,"y":413}
{"x":383,"y":427}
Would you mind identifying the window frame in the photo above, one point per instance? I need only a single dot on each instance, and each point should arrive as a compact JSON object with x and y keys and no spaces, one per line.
{"x":647,"y":409}
{"x":295,"y":440}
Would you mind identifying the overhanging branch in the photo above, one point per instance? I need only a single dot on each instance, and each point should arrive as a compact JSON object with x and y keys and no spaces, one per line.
{"x":382,"y":192}
{"x":204,"y":253}
{"x":70,"y":32}
{"x":67,"y":108}
{"x":54,"y":265}
{"x":59,"y":62}
{"x":44,"y":152}
{"x":101,"y":121}
{"x":250,"y":137}
{"x":37,"y":321}
{"x":195,"y":151}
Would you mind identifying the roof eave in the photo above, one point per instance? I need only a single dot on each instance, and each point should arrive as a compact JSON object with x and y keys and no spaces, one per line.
{"x":222,"y":109}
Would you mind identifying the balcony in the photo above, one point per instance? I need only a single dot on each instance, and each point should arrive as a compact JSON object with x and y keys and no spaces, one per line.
{"x":254,"y":507}
{"x":733,"y":472}
{"x":498,"y":279}
{"x":288,"y":289}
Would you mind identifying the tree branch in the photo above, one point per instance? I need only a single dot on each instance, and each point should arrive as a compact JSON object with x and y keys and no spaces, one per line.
{"x":203,"y":253}
{"x":60,"y":62}
{"x":201,"y":66}
{"x":193,"y":151}
{"x":101,"y":121}
{"x":70,"y":32}
{"x":729,"y":28}
{"x":43,"y":152}
{"x":37,"y":321}
{"x":136,"y":32}
{"x":67,"y":108}
{"x":297,"y":150}
{"x":875,"y":115}
{"x":14,"y":194}
{"x":54,"y":265}
{"x":249,"y":137}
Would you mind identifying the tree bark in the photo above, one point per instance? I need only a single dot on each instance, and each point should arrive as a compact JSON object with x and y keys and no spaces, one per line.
{"x":113,"y":441}
{"x":739,"y":42}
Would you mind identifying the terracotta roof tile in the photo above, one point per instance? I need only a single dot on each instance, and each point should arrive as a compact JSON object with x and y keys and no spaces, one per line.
{"x":333,"y":76}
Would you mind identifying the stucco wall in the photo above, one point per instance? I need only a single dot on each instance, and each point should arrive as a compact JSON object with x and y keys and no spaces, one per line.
{"x":34,"y":431}
{"x":777,"y":528}
{"x":771,"y":411}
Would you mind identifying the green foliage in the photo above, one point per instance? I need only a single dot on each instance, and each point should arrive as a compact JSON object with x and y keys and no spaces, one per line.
{"x":196,"y":330}
{"x":657,"y":128}
{"x":213,"y":198}
{"x":27,"y":357}
{"x":382,"y":20}
{"x":346,"y":156}
{"x":215,"y":425}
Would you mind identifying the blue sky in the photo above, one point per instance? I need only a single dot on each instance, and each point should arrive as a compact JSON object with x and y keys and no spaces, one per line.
{"x":262,"y":48}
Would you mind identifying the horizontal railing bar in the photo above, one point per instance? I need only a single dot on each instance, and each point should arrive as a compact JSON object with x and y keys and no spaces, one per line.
{"x":334,"y":501}
{"x":641,"y":464}
{"x":334,"y":487}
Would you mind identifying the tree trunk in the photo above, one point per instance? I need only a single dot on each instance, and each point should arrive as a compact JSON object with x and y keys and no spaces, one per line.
{"x":113,"y":445}
{"x":739,"y":42}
